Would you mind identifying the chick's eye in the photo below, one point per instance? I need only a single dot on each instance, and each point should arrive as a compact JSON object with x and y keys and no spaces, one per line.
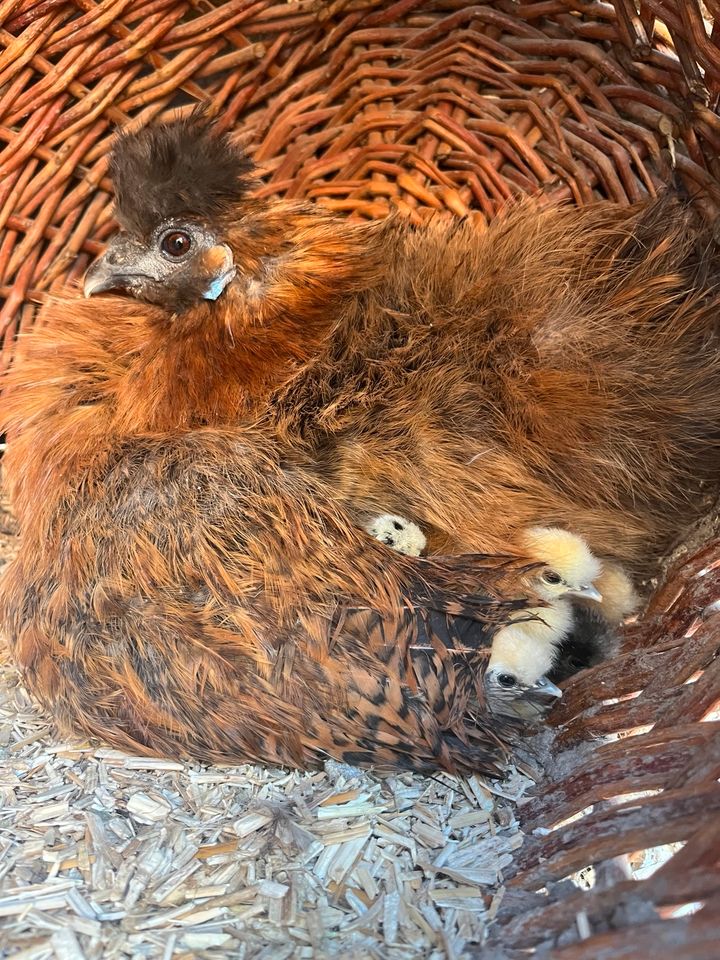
{"x":176,"y":243}
{"x":506,"y":680}
{"x":551,"y":577}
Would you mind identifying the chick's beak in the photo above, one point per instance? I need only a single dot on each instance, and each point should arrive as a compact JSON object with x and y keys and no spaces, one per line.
{"x":545,"y":687}
{"x":585,"y":592}
{"x":124,"y":263}
{"x":533,"y":704}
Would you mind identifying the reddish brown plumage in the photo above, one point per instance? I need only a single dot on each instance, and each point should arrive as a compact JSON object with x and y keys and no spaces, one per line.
{"x":558,"y":368}
{"x":562,"y":368}
{"x":188,"y":593}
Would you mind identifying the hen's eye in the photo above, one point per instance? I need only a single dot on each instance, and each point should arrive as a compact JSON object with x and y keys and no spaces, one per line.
{"x":506,"y":680}
{"x":551,"y":577}
{"x":176,"y":244}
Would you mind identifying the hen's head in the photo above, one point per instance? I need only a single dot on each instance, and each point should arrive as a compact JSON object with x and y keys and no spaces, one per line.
{"x":178,"y":187}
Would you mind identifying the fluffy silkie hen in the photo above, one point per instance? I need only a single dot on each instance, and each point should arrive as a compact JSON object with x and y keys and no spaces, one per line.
{"x":185,"y":583}
{"x":560,"y":368}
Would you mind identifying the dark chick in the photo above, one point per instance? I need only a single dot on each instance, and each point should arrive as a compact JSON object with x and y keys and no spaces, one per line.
{"x":192,"y":593}
{"x":592,"y":640}
{"x":558,"y":368}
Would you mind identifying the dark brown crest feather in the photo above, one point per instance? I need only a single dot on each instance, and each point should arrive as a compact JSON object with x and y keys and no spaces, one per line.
{"x":175,"y":170}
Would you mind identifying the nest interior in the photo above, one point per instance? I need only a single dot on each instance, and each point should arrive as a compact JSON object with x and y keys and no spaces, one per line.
{"x":427,"y":105}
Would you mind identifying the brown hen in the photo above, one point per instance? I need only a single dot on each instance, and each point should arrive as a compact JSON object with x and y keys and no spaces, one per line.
{"x":189,"y":583}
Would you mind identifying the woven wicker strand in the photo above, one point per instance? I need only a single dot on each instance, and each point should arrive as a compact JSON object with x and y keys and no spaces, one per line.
{"x":423,"y":105}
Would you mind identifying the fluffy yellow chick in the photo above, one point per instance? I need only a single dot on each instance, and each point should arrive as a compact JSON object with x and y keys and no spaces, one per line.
{"x":524,"y":652}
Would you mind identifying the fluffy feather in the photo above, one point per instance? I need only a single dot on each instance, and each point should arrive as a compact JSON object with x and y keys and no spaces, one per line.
{"x":172,"y":171}
{"x":567,"y":554}
{"x":560,"y":367}
{"x":619,"y":597}
{"x":194,"y":593}
{"x":591,"y":641}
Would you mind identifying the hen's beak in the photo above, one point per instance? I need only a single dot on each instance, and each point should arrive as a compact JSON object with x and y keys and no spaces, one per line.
{"x":585,"y":592}
{"x":124,"y":262}
{"x":100,"y":278}
{"x":545,"y":687}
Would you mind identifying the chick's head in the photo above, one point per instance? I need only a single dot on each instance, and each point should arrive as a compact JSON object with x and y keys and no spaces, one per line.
{"x":397,"y":532}
{"x":570,"y":568}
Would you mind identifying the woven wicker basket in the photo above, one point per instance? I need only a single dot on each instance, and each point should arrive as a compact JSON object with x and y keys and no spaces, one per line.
{"x":427,"y":104}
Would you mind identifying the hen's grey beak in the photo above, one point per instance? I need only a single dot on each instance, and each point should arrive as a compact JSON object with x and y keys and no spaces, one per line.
{"x":585,"y":592}
{"x":124,"y":262}
{"x":546,"y":687}
{"x":100,"y":278}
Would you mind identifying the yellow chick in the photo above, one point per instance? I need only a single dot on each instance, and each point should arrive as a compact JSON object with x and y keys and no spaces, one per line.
{"x":524,"y":652}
